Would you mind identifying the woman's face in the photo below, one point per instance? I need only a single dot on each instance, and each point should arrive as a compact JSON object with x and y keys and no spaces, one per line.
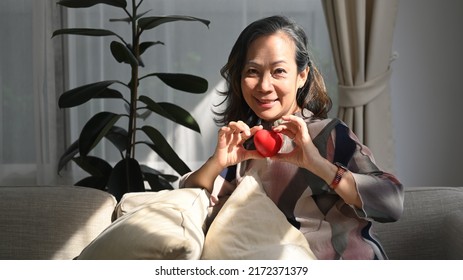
{"x":270,"y":80}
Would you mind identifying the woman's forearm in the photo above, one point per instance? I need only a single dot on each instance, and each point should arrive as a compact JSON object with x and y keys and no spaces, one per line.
{"x":346,"y":187}
{"x":204,"y":177}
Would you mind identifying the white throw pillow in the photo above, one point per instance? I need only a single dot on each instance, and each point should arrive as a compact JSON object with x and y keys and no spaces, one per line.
{"x":165,"y":225}
{"x":250,"y":226}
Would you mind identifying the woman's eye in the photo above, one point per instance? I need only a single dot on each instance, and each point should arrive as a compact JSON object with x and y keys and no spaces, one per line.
{"x":251,"y":71}
{"x":279,"y":71}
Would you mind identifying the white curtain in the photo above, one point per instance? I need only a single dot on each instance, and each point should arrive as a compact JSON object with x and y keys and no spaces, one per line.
{"x":35,"y":132}
{"x":29,"y":118}
{"x":361,"y":39}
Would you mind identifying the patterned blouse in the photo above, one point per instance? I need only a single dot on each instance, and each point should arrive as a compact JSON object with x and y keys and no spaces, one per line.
{"x":334,"y":229}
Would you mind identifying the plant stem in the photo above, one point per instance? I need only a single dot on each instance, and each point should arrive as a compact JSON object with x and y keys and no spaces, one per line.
{"x":130,"y":152}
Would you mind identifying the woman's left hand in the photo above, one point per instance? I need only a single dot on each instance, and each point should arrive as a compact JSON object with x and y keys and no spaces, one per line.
{"x":304,"y":154}
{"x":307,"y":156}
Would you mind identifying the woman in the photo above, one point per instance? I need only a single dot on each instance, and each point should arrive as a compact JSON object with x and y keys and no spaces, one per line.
{"x":323,"y":179}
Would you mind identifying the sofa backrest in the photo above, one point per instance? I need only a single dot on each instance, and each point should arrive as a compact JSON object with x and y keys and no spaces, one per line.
{"x":51,"y":222}
{"x":421,"y":233}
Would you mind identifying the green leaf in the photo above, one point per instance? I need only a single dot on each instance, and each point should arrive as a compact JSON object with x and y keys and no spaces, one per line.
{"x":151,"y":22}
{"x":95,"y":166}
{"x":145,"y":45}
{"x":126,"y":19}
{"x":180,"y":116}
{"x":144,"y":115}
{"x":172,"y":112}
{"x":68,"y":155}
{"x":93,"y":182}
{"x":94,"y":130}
{"x":109,"y":93}
{"x":164,"y":150}
{"x":157,"y":183}
{"x":123,"y":54}
{"x":82,"y":94}
{"x":148,"y":170}
{"x":184,"y":82}
{"x":84,"y":32}
{"x":125,"y":177}
{"x":155,"y":107}
{"x":119,"y":137}
{"x":89,"y":3}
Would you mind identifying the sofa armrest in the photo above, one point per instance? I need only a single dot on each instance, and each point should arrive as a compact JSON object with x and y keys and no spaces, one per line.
{"x":421,"y":233}
{"x":51,"y":222}
{"x":453,"y":235}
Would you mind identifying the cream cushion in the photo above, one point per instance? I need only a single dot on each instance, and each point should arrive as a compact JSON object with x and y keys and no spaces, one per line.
{"x":250,"y":226}
{"x":163,"y":225}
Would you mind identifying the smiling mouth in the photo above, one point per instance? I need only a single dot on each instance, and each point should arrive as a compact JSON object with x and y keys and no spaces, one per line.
{"x":267,"y":101}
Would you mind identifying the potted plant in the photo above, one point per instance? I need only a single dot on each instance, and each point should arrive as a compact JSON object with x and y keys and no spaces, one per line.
{"x":127,"y":175}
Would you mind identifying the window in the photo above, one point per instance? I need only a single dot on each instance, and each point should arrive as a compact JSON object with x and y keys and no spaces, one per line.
{"x":28,"y":114}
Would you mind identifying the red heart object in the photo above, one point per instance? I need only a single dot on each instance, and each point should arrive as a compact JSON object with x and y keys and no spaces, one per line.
{"x":268,"y":142}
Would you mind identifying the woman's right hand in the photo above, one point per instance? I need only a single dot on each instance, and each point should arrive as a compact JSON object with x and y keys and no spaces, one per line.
{"x":230,"y":150}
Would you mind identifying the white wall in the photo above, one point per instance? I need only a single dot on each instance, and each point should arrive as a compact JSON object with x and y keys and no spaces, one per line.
{"x":427,"y":94}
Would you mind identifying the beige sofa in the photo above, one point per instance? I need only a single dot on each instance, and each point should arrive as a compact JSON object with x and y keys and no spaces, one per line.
{"x":58,"y":222}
